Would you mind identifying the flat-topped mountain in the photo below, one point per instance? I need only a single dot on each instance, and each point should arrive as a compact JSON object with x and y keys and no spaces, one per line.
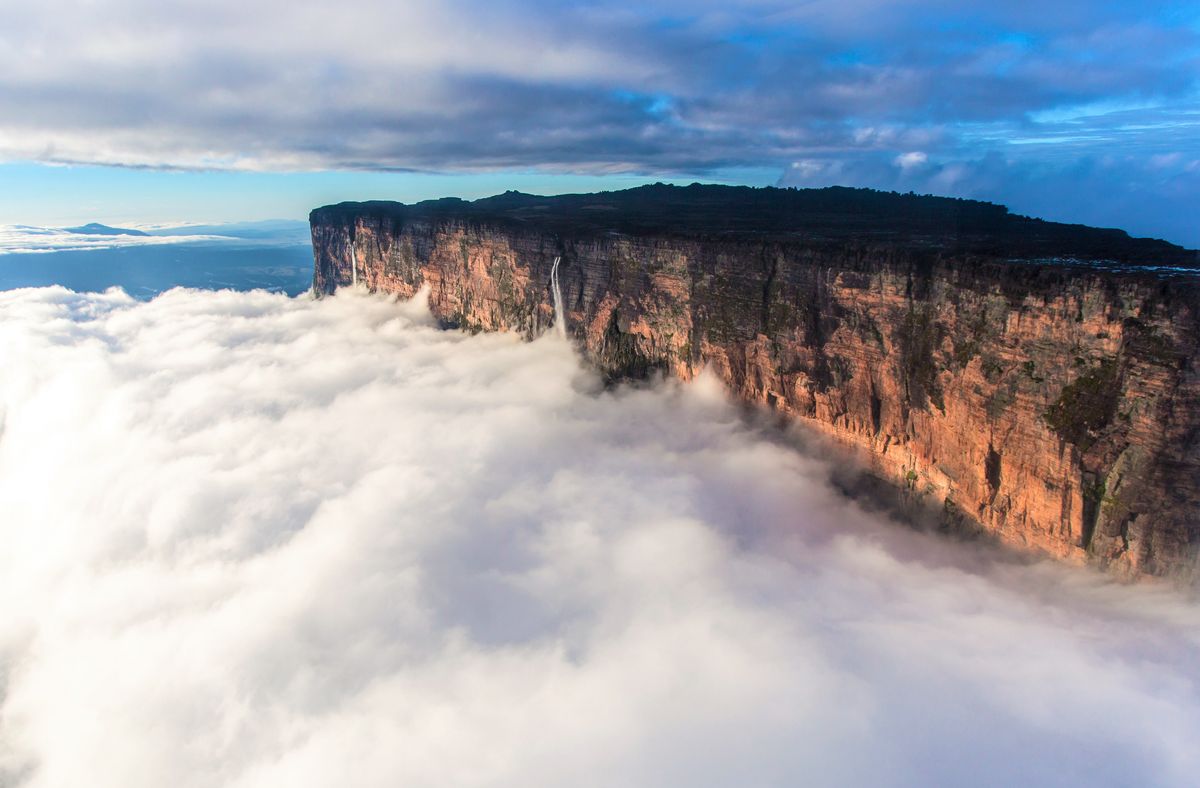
{"x":1035,"y":380}
{"x":95,"y":228}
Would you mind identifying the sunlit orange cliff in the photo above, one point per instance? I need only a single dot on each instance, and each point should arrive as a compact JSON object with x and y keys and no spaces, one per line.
{"x":1037,"y":380}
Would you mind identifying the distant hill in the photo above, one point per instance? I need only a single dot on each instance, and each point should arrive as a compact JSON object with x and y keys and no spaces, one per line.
{"x":94,"y":228}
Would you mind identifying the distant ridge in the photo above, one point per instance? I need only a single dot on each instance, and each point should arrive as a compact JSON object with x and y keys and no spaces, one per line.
{"x":95,"y":228}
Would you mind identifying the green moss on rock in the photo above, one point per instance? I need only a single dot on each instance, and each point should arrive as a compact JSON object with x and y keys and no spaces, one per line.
{"x":1087,"y":405}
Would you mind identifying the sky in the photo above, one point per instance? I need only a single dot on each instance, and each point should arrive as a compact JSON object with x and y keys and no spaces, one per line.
{"x":241,"y":551}
{"x":140,"y":111}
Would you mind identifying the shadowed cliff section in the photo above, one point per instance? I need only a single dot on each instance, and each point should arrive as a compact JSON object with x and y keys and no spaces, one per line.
{"x":1038,"y":380}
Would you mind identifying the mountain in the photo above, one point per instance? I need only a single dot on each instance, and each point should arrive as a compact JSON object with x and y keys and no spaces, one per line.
{"x":1035,"y":381}
{"x":94,"y":228}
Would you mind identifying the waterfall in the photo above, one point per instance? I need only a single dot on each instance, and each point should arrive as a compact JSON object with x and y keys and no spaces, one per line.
{"x":353,"y":265}
{"x":560,"y":317}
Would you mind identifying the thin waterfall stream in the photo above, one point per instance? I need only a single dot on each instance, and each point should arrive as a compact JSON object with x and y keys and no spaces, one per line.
{"x":560,"y":317}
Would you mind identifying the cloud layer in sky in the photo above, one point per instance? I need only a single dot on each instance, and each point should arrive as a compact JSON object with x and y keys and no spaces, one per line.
{"x":666,"y":86}
{"x":661,"y":87}
{"x":259,"y":541}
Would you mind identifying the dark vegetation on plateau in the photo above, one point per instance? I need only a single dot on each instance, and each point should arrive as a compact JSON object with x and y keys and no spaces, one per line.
{"x":836,"y":214}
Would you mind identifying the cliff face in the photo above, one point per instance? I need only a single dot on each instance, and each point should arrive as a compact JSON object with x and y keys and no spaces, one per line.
{"x":1054,"y":402}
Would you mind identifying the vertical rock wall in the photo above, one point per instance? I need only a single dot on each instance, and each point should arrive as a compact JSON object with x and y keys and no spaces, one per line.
{"x":1055,"y":405}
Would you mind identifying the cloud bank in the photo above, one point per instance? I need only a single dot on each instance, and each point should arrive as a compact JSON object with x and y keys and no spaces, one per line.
{"x":24,"y":239}
{"x":253,"y":541}
{"x":27,"y":239}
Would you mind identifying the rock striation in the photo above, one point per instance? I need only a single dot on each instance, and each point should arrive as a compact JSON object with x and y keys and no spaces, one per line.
{"x":1037,"y":380}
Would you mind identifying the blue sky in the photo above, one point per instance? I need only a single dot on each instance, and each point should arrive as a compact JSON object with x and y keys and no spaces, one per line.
{"x":56,"y":195}
{"x":139,"y":111}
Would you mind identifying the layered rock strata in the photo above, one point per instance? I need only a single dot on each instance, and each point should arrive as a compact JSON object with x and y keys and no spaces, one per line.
{"x":1038,"y":380}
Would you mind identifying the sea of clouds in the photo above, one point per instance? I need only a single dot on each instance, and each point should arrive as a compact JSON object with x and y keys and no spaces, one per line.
{"x":258,"y":541}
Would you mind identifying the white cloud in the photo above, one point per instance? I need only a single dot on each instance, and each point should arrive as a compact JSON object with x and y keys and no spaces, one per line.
{"x":907,"y":161}
{"x":254,"y":541}
{"x":23,"y":239}
{"x":813,"y":168}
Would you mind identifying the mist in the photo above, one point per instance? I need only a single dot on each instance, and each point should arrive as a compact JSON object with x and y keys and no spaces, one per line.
{"x":253,"y":540}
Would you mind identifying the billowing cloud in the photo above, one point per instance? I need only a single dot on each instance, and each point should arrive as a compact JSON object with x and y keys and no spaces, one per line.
{"x":257,"y":541}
